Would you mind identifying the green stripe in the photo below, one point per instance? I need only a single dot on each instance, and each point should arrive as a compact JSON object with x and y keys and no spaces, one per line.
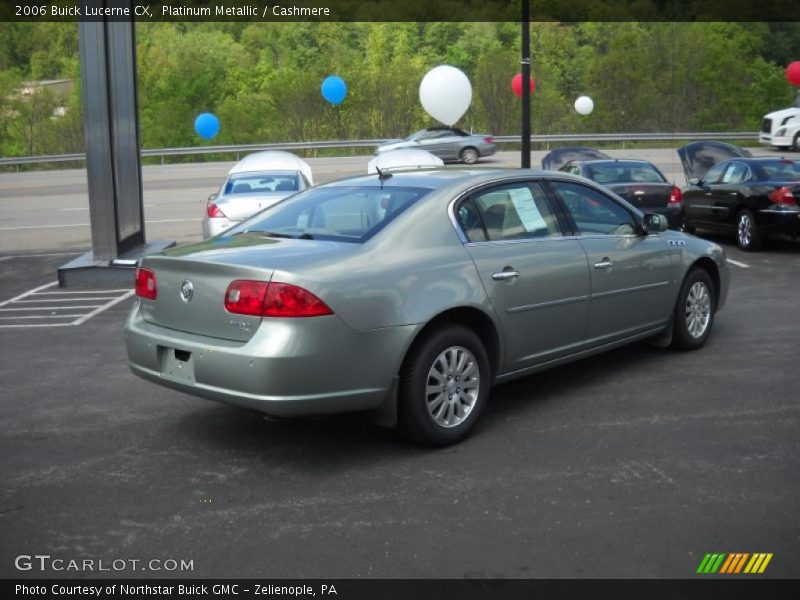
{"x":703,"y":564}
{"x":718,"y":563}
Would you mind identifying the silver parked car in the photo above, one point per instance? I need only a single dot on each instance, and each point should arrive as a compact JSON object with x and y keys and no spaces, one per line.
{"x":254,"y":183}
{"x":411,"y":294}
{"x":448,"y":143}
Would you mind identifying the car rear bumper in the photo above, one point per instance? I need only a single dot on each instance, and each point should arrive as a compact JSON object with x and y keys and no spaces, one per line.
{"x":487,"y":149}
{"x":773,"y":220}
{"x":289,"y":368}
{"x":215,"y":226}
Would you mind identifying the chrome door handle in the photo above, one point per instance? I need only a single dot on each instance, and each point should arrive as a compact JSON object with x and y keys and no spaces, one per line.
{"x":604,"y":264}
{"x":505,"y":275}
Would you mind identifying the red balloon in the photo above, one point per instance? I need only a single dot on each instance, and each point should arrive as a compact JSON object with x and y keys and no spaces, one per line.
{"x":793,"y":72}
{"x":516,"y":84}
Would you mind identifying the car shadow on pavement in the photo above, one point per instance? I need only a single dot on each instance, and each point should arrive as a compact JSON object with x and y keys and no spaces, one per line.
{"x":324,"y":442}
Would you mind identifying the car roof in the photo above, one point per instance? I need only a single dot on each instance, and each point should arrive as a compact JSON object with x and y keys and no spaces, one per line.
{"x":269,"y":160}
{"x":435,"y":178}
{"x":605,"y":161}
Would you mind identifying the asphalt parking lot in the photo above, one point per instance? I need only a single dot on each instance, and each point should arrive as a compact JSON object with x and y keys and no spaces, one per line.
{"x":635,"y":463}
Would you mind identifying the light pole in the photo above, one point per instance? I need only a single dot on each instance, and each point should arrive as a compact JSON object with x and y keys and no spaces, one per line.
{"x":526,"y":86}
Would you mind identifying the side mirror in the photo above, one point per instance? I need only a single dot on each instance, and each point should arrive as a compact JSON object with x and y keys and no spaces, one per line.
{"x":213,"y":197}
{"x":654,"y":223}
{"x":694,"y":181}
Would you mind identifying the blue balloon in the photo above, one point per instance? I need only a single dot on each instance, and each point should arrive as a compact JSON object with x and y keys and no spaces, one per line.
{"x":334,"y":89}
{"x":206,"y":125}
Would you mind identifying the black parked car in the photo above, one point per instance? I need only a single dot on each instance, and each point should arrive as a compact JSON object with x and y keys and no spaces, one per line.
{"x":731,"y":191}
{"x":638,"y":181}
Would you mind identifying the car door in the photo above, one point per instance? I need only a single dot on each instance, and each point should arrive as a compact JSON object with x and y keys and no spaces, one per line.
{"x":726,"y":194}
{"x":630,"y":271}
{"x":698,"y":199}
{"x":436,"y":143}
{"x":536,"y":278}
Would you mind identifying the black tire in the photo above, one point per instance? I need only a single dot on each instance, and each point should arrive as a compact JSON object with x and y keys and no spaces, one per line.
{"x":684,"y":336}
{"x":469,"y":156}
{"x":687,"y":228}
{"x":415,"y":418}
{"x":748,"y":236}
{"x":796,"y":145}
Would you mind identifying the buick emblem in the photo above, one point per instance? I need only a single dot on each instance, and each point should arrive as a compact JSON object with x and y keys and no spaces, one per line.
{"x":187,"y":291}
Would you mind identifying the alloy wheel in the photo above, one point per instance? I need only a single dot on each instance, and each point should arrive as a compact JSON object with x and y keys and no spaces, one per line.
{"x":698,"y":309}
{"x":745,"y":230}
{"x":452,"y":386}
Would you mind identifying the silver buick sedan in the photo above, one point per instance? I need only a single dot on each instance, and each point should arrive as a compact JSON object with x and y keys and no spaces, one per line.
{"x":411,"y":294}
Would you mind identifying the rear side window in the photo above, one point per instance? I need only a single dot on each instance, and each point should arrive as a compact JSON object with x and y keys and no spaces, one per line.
{"x":514,"y":211}
{"x":593,"y":212}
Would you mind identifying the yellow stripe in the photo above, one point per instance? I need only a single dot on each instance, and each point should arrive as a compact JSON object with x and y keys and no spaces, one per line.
{"x":727,"y":562}
{"x":752,"y":562}
{"x":741,"y":562}
{"x":765,"y":563}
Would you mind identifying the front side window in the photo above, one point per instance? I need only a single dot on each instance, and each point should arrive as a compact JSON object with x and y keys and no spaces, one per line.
{"x":514,"y":211}
{"x":714,"y":174}
{"x":735,"y":173}
{"x":593,"y":212}
{"x":338,"y":213}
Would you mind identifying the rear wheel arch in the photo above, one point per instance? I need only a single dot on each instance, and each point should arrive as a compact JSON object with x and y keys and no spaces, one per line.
{"x":471,"y":318}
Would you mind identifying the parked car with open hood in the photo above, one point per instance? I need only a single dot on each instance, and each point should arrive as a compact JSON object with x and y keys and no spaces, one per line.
{"x":254,"y":183}
{"x":638,"y":181}
{"x":448,"y":143}
{"x":410,"y":294}
{"x":733,"y":192}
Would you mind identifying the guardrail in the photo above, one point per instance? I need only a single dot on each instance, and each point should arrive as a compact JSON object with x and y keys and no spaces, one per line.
{"x":500,"y":139}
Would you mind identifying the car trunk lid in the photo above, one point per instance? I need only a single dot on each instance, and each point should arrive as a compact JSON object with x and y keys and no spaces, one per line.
{"x":208,"y":268}
{"x":643,"y":195}
{"x":238,"y":207}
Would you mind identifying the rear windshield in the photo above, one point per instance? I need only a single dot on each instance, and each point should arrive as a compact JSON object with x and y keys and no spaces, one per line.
{"x":339,"y":213}
{"x":261,"y":183}
{"x":620,"y":172}
{"x":779,"y":170}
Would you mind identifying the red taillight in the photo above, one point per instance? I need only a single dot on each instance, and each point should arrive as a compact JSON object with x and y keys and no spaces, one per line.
{"x":261,"y":299}
{"x":783,"y":195}
{"x":489,"y":140}
{"x":675,"y":195}
{"x":213,"y":211}
{"x":146,"y":286}
{"x":244,"y":297}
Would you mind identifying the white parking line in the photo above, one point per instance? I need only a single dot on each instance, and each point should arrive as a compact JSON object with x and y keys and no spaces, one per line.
{"x":738,"y":264}
{"x":56,"y":302}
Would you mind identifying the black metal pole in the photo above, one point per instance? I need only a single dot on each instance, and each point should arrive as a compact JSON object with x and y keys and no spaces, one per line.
{"x":526,"y":86}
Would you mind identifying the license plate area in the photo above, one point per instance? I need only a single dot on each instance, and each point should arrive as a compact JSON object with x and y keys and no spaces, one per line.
{"x":177,"y":364}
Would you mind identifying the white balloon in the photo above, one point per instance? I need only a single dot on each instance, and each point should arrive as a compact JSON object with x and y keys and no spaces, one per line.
{"x":445,"y":93}
{"x":584,"y":105}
